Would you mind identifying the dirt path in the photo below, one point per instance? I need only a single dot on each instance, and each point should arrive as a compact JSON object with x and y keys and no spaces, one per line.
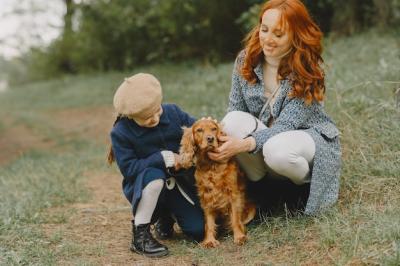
{"x":99,"y":231}
{"x":15,"y":139}
{"x":101,"y":227}
{"x":101,"y":224}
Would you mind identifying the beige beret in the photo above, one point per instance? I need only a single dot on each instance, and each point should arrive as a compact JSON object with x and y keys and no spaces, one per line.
{"x":138,"y":94}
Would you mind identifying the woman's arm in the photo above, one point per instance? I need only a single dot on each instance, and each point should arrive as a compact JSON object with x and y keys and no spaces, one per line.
{"x":231,"y":147}
{"x":236,"y":99}
{"x":294,"y":115}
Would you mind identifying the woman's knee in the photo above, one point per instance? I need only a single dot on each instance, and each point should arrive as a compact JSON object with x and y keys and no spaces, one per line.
{"x":238,"y":124}
{"x":285,"y":162}
{"x":273,"y":149}
{"x":275,"y":158}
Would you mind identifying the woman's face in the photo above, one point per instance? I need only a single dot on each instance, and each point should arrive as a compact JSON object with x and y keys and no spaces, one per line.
{"x":149,"y":120}
{"x":274,"y":39}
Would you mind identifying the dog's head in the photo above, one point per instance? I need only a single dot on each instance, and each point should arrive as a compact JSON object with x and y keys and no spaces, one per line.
{"x":205,"y":134}
{"x":201,"y":137}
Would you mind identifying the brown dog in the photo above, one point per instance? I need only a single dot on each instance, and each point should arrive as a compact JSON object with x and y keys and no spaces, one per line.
{"x":221,"y":186}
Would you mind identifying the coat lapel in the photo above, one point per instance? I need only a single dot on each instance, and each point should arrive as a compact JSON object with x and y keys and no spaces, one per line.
{"x":283,"y":91}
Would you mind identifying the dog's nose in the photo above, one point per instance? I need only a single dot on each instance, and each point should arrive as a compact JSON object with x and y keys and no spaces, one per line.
{"x":210,"y":139}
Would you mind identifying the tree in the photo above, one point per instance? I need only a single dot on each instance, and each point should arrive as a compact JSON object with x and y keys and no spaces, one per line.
{"x":67,"y":40}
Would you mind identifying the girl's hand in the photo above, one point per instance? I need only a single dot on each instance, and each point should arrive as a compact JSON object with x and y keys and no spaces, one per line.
{"x":231,"y":147}
{"x":177,"y":165}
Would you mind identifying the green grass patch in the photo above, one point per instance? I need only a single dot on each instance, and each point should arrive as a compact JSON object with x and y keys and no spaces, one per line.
{"x":364,"y":228}
{"x":31,"y":184}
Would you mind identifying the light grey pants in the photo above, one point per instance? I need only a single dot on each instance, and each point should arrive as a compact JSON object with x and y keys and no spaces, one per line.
{"x":287,"y":154}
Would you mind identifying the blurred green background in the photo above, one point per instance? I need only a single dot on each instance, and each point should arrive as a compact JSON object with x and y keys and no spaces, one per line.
{"x":105,"y":35}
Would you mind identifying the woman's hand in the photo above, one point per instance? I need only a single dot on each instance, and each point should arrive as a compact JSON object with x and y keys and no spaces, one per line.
{"x":231,"y":146}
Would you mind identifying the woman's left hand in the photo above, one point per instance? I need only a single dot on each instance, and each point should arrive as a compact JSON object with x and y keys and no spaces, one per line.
{"x":230,"y":147}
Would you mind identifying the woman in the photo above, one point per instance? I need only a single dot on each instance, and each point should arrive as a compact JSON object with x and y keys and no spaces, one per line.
{"x":276,"y":124}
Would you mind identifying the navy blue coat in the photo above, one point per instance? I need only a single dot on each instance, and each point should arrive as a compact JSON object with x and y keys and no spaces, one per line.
{"x":137,"y":150}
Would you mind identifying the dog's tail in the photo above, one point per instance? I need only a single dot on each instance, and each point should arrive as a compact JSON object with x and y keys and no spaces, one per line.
{"x":249,"y":212}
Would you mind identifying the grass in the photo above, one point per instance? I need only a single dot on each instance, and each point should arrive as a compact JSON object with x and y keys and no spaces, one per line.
{"x":363,"y":228}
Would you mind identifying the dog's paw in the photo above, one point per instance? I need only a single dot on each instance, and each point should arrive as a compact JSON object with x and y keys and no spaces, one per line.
{"x":240,"y":239}
{"x":211,"y":243}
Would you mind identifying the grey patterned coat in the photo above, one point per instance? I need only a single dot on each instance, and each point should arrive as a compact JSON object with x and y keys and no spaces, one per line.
{"x":290,"y":113}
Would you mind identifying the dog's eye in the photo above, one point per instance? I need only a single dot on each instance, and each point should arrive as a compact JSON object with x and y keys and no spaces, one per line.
{"x":214,"y":129}
{"x":199,"y":130}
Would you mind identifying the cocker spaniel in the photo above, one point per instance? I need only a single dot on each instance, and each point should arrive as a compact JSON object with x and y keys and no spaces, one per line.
{"x":221,"y":186}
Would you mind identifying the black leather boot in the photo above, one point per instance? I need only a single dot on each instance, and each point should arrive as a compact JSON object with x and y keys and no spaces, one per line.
{"x":143,"y":242}
{"x":164,"y":228}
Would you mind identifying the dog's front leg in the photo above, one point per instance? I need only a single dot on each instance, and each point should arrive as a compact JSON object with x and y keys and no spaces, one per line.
{"x":239,"y":234}
{"x":210,"y":230}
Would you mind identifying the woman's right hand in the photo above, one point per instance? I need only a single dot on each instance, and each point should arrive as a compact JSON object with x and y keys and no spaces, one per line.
{"x":232,"y":146}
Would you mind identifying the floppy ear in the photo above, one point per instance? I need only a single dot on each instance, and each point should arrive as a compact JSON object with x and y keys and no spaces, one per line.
{"x":187,"y":149}
{"x":221,"y":132}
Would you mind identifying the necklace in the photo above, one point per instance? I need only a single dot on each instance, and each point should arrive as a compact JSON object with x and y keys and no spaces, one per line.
{"x":269,"y":101}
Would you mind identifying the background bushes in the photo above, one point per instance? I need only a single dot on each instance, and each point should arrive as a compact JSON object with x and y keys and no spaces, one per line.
{"x":105,"y":35}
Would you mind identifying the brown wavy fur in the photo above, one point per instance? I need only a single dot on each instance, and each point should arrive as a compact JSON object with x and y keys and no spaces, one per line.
{"x":221,"y":186}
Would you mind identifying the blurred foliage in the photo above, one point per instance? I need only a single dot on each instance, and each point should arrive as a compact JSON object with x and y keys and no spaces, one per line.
{"x":120,"y":34}
{"x":341,"y":17}
{"x":104,"y":35}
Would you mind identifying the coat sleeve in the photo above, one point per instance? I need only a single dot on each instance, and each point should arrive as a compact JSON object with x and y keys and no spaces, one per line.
{"x":236,"y":99}
{"x":128,"y":162}
{"x":294,"y":115}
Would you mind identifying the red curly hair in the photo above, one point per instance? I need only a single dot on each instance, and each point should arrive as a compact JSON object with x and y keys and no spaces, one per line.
{"x":303,"y":63}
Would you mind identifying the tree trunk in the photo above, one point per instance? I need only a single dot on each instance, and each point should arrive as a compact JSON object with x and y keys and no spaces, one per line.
{"x":68,"y":16}
{"x":383,"y":13}
{"x":345,"y":17}
{"x":67,"y":43}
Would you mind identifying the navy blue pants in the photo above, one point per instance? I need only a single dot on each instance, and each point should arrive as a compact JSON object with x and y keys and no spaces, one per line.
{"x":189,"y":217}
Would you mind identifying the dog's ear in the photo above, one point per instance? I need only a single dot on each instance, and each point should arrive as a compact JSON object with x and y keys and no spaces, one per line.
{"x":220,"y":131}
{"x":187,"y":149}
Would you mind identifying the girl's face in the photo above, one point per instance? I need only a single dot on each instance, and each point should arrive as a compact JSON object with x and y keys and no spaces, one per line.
{"x":151,"y":119}
{"x":275,"y":39}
